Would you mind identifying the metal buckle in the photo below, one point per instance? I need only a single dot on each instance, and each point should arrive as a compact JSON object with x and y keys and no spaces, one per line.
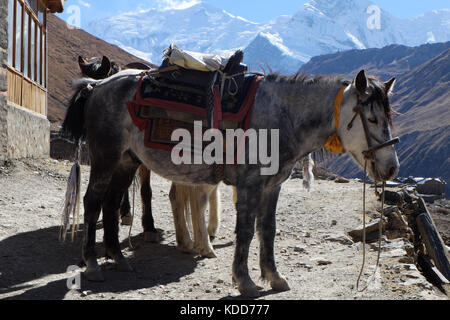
{"x":370,"y":154}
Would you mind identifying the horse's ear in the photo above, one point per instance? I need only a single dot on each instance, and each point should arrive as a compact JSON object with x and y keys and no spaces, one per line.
{"x":81,"y":61}
{"x":361,"y":81}
{"x":105,"y":67}
{"x":389,"y":86}
{"x":115,"y":68}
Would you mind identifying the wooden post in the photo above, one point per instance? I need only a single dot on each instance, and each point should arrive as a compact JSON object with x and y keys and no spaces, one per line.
{"x":430,"y":270}
{"x":436,"y":248}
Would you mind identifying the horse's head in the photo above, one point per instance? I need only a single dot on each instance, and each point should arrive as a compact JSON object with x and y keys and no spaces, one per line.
{"x":97,"y":68}
{"x":366,"y":121}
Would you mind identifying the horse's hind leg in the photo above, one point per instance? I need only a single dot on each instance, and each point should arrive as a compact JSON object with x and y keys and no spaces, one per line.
{"x":214,"y":213}
{"x":266,"y":227}
{"x":121,"y":179}
{"x":150,"y":232}
{"x":99,"y":180}
{"x":125,"y":209}
{"x":198,"y":202}
{"x":179,"y":198}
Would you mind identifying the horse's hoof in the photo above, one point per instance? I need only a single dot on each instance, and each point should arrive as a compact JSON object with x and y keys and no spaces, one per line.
{"x":280,"y":285}
{"x":212,"y":238}
{"x":126,"y":220}
{"x":208,"y":254}
{"x":250,"y":291}
{"x":152,"y":237}
{"x":94,"y":275}
{"x":124,"y":266}
{"x":187,"y":248}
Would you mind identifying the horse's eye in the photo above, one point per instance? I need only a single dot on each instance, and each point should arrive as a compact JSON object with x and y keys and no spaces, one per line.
{"x":373,"y":120}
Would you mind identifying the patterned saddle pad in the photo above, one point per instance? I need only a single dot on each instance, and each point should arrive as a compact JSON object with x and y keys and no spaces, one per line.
{"x":160,"y":108}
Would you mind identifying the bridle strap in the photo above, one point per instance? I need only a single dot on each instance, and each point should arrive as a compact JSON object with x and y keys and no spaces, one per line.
{"x":369,"y":154}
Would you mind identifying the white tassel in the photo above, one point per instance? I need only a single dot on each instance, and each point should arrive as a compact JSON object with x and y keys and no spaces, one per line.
{"x":72,"y":201}
{"x":308,"y":175}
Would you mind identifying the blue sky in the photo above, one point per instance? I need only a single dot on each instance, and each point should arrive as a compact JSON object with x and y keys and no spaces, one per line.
{"x":254,"y":10}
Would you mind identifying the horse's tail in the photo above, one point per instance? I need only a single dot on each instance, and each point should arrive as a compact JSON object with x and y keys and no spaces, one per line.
{"x":73,"y":126}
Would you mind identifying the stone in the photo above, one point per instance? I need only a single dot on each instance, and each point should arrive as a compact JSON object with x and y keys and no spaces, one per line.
{"x":396,"y":221}
{"x":371,"y":227}
{"x":86,"y":293}
{"x":407,"y":260}
{"x":342,"y":239}
{"x":431,"y":187}
{"x":341,"y":180}
{"x":299,"y":249}
{"x":305,"y":264}
{"x":396,"y":253}
{"x":421,"y":281}
{"x":323,"y":262}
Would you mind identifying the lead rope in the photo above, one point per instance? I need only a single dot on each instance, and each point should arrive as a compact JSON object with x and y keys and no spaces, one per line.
{"x":380,"y":232}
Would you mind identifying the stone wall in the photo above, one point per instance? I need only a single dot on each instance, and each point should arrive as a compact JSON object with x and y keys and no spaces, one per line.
{"x":23,"y":134}
{"x":28,"y":134}
{"x":3,"y":89}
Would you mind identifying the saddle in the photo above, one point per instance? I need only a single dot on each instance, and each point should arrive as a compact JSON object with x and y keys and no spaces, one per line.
{"x":214,"y":90}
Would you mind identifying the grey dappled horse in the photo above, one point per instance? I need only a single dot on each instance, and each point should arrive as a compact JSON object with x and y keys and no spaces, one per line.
{"x":302,"y":108}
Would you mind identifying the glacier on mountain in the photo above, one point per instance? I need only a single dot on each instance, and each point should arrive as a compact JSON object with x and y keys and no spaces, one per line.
{"x":284,"y":44}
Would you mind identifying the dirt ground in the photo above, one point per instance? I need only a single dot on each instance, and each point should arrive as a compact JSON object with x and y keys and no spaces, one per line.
{"x":312,"y":249}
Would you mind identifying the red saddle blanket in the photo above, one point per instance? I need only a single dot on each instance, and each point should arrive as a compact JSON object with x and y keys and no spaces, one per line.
{"x":160,"y":117}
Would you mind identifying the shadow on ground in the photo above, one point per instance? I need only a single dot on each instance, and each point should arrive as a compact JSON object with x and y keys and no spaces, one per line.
{"x":38,"y":254}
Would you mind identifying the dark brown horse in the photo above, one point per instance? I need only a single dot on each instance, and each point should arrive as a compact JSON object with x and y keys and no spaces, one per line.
{"x":101,"y":68}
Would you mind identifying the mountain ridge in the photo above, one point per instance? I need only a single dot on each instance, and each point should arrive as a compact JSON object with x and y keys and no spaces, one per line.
{"x":319,"y":27}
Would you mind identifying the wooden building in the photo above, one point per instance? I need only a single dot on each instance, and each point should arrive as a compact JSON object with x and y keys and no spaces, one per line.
{"x":23,"y":126}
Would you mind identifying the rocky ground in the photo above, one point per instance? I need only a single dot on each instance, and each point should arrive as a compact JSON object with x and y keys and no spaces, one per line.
{"x":312,"y":249}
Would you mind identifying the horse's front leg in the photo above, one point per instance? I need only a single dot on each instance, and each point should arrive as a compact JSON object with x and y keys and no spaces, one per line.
{"x":150,"y":232}
{"x":246,"y":206}
{"x":266,"y":228}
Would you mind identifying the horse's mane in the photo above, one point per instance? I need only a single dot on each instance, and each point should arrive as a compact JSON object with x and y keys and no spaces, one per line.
{"x":378,"y":89}
{"x":305,"y":79}
{"x":380,"y":94}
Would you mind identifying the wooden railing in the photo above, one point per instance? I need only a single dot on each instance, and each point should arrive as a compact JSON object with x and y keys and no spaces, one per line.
{"x":26,"y":93}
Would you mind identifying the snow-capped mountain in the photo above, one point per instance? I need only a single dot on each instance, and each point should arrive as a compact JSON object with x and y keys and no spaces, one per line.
{"x":284,"y":44}
{"x":268,"y":50}
{"x":201,"y":28}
